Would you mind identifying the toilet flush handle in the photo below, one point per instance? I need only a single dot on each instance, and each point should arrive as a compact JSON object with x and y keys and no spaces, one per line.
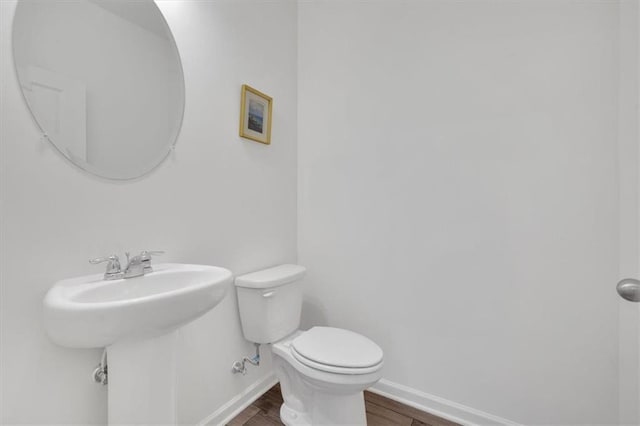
{"x":268,"y":294}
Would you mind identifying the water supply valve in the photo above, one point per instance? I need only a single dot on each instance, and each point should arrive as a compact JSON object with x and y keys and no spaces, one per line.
{"x":241,"y":366}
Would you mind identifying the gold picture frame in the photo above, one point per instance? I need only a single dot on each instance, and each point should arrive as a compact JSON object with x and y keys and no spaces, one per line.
{"x":255,"y":115}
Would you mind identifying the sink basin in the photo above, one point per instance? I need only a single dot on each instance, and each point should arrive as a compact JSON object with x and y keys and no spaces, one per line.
{"x":89,"y":312}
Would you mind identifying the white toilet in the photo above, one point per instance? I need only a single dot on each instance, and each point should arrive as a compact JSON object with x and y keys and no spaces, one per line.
{"x":322,"y":371}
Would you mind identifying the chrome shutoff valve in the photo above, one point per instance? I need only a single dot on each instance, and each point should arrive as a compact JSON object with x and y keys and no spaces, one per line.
{"x":241,"y":366}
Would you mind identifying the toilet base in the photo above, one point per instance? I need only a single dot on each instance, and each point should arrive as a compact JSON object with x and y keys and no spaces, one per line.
{"x":291,"y":417}
{"x":339,"y":411}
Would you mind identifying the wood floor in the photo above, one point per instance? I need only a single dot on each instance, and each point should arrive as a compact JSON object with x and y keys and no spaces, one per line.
{"x":381,"y":411}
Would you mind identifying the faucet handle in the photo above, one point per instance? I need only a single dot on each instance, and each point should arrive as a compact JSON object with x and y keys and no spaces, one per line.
{"x":153,"y":252}
{"x":145,"y":259}
{"x":114,"y":270}
{"x":146,"y":254}
{"x":112,"y":258}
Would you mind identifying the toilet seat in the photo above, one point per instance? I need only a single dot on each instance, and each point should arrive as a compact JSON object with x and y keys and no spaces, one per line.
{"x":336,"y":350}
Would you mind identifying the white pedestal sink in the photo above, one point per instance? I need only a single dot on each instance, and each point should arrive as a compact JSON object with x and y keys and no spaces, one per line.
{"x":136,"y":320}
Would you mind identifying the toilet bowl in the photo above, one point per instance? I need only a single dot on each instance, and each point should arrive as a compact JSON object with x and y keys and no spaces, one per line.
{"x":318,"y":386}
{"x":322,"y":371}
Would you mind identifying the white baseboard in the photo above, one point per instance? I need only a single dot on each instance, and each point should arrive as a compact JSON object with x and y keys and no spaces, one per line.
{"x":437,"y":406}
{"x":239,"y":402}
{"x":414,"y":398}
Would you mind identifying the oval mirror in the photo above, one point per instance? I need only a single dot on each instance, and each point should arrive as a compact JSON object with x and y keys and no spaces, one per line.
{"x":103,"y":80}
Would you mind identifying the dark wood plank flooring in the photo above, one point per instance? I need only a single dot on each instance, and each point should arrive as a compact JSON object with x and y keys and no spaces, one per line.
{"x":381,"y":411}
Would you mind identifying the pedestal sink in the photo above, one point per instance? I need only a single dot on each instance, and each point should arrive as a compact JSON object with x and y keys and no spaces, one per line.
{"x":136,"y":319}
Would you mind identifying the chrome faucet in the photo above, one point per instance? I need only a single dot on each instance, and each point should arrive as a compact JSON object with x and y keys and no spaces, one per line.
{"x":136,"y":265}
{"x":140,"y":264}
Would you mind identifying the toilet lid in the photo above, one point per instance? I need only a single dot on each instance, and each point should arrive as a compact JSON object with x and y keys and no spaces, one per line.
{"x":336,"y":347}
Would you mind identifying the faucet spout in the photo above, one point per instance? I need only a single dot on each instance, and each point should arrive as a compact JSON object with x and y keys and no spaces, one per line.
{"x":134,"y":266}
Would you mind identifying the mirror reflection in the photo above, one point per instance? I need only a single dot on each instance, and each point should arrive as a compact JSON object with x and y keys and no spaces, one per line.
{"x":103,"y":81}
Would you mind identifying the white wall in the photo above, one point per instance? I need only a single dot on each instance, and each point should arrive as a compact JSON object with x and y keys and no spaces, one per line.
{"x":458,"y":196}
{"x":219,"y":200}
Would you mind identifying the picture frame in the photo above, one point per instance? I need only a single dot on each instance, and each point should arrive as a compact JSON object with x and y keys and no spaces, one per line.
{"x":255,"y":115}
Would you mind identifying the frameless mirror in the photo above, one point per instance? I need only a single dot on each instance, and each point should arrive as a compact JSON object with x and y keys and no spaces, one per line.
{"x":103,"y":80}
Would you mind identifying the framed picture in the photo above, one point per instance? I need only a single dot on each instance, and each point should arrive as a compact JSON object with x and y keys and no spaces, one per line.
{"x":255,"y":115}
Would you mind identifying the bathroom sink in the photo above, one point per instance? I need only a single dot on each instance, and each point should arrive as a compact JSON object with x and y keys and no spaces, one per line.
{"x":90,"y":312}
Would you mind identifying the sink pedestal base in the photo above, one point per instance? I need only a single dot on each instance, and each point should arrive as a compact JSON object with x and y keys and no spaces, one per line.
{"x":142,"y":381}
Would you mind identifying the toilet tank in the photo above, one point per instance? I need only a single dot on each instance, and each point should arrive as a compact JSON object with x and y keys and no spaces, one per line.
{"x":270,"y":302}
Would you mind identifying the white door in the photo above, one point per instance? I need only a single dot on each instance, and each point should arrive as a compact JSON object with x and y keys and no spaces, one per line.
{"x":629,"y":161}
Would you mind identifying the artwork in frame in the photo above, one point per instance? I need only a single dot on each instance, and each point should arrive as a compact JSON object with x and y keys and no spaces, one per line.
{"x":255,"y":115}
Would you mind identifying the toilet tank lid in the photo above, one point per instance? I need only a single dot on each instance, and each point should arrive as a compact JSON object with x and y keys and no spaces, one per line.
{"x":272,"y":277}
